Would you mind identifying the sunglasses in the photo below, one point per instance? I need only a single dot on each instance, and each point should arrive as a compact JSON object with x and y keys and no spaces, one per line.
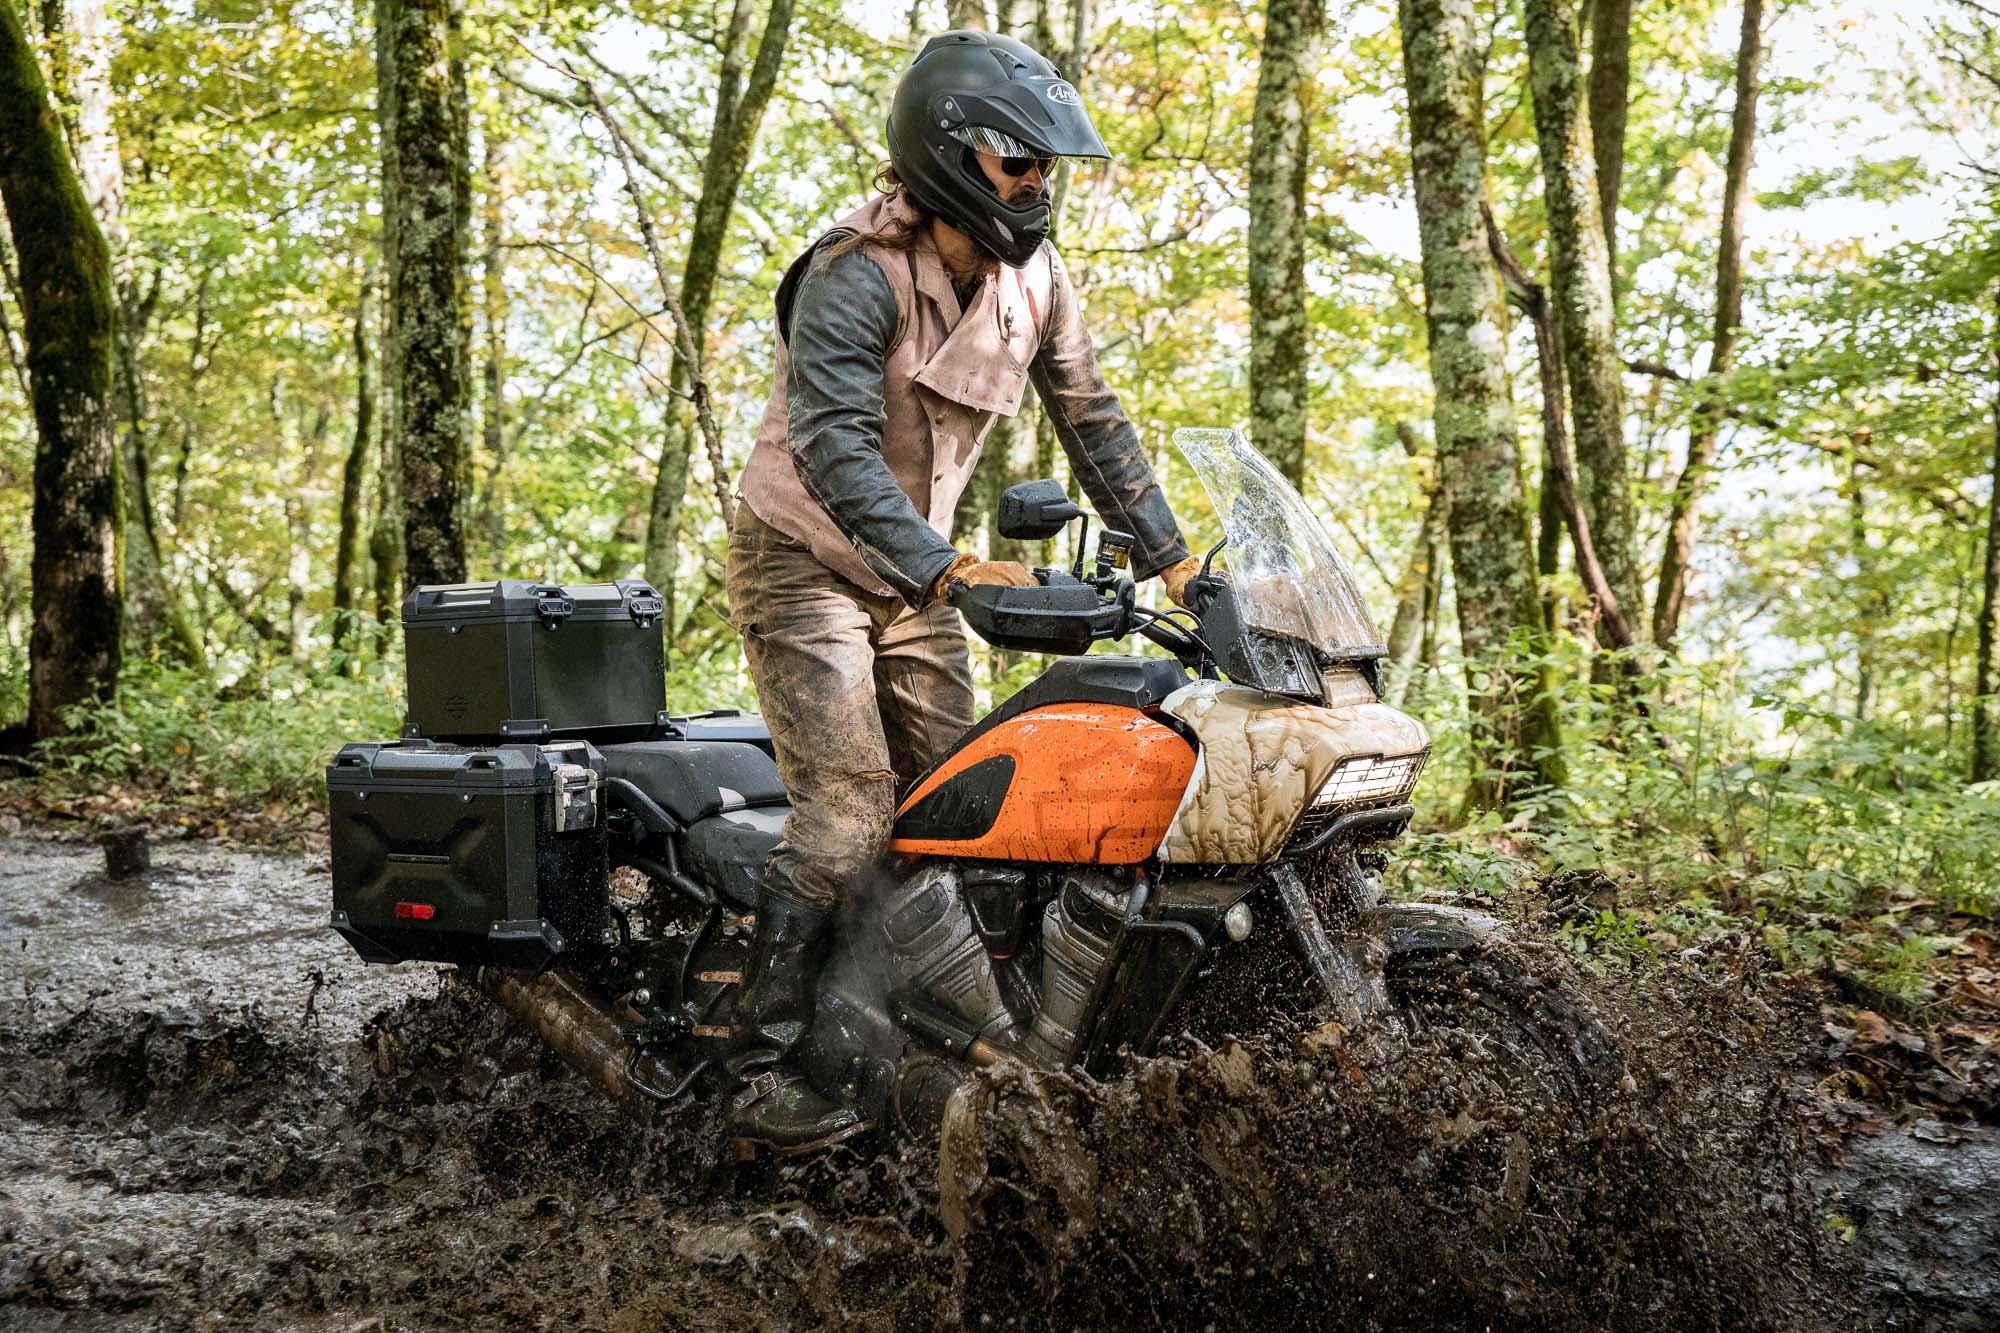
{"x":1018,"y":166}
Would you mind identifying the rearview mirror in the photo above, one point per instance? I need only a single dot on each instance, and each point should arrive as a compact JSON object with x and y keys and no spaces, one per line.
{"x":1035,"y":510}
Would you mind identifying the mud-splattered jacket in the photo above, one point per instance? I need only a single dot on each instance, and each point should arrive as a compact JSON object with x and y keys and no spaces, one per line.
{"x":886,"y":389}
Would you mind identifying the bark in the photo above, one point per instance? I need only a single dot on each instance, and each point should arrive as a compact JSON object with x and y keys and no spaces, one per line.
{"x":1280,"y":149}
{"x":385,"y":538}
{"x":75,"y":644}
{"x":1610,"y":77}
{"x":1580,"y":266}
{"x":493,"y":408}
{"x":743,"y":90}
{"x":1560,"y":482}
{"x":968,"y":14}
{"x":1413,"y":588}
{"x":80,"y":47}
{"x":425,"y":126}
{"x":1682,"y":521}
{"x":1516,"y":740}
{"x":1986,"y":675}
{"x":298,"y":525}
{"x":353,"y":479}
{"x":1864,"y":649}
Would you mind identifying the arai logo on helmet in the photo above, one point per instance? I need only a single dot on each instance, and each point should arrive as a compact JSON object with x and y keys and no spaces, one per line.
{"x":1063,"y":94}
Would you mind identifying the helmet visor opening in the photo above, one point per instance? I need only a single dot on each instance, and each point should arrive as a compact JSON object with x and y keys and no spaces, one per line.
{"x":996,"y":143}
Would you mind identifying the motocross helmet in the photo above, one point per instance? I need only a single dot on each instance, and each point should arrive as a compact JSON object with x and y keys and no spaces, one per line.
{"x":967,"y":91}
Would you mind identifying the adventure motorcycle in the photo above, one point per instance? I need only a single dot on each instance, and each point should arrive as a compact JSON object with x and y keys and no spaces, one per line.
{"x":1127,"y":848}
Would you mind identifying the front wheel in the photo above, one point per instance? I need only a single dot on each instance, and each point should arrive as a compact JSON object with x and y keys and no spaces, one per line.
{"x":1521,"y":1035}
{"x":1515,"y":1030}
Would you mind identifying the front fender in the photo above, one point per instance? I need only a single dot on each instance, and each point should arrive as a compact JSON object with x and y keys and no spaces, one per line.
{"x":1430,"y":928}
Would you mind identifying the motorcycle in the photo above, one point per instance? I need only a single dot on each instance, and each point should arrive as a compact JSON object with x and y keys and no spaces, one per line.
{"x":1130,"y":847}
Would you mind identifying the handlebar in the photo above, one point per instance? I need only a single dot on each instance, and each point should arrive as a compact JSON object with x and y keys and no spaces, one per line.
{"x":1062,"y":613}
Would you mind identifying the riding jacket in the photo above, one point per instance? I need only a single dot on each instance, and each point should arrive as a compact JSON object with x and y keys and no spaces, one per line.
{"x":887,"y":386}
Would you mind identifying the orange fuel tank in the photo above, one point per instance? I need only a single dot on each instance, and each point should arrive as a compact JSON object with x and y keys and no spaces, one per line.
{"x":1077,"y":783}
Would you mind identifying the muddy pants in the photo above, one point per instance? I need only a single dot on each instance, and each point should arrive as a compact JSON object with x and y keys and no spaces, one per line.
{"x":861,"y":693}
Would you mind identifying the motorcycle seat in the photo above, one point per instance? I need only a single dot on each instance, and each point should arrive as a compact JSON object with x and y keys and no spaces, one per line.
{"x":697,"y":780}
{"x":728,"y":851}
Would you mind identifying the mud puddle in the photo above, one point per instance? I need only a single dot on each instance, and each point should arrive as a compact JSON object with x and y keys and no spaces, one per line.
{"x":210,"y":1115}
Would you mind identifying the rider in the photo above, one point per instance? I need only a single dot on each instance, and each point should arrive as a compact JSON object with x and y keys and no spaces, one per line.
{"x":903,"y":333}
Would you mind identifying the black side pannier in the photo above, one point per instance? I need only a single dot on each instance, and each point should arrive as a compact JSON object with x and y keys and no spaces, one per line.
{"x":523,"y":661}
{"x":493,"y":856}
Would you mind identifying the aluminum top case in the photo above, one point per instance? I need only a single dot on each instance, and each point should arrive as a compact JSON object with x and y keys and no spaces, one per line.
{"x":516,"y":660}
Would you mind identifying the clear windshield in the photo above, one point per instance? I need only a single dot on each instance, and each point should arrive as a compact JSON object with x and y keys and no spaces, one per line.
{"x":1288,"y":577}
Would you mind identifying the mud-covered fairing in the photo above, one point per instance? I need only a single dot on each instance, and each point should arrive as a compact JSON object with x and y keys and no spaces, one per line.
{"x":1264,"y":757}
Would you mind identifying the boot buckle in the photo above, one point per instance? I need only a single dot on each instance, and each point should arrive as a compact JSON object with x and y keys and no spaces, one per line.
{"x":760,"y":1086}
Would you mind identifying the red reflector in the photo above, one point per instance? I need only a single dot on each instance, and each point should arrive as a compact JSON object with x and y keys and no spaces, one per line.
{"x":415,"y":911}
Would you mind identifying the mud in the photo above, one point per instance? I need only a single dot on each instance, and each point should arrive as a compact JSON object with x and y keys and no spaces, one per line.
{"x":212,"y":1116}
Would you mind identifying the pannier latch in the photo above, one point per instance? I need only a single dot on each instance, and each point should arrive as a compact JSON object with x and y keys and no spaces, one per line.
{"x":575,"y":788}
{"x":646,"y":606}
{"x":553,"y":605}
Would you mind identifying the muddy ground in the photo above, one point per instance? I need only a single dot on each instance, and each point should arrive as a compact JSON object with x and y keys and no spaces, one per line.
{"x":211,"y":1115}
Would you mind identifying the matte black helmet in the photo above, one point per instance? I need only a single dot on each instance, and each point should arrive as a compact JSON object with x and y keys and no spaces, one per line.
{"x":971,"y":90}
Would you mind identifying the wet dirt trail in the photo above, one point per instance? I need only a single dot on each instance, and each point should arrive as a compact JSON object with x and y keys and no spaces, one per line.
{"x":212,"y":1115}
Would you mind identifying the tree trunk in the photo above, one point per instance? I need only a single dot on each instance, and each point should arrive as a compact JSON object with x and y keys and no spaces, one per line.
{"x":353,"y":477}
{"x":739,"y":109}
{"x":1986,"y":675}
{"x":1610,"y":75}
{"x":1516,"y":739}
{"x":1580,"y":266}
{"x":1559,"y":484}
{"x":298,"y":524}
{"x":385,"y":538}
{"x":74,"y":647}
{"x":1682,"y":521}
{"x":80,"y":49}
{"x":1280,"y":147}
{"x":426,"y":124}
{"x":1406,"y":631}
{"x":493,"y":407}
{"x":967,"y":14}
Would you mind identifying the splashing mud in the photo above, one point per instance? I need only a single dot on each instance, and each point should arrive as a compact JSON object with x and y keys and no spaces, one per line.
{"x":181,"y":1143}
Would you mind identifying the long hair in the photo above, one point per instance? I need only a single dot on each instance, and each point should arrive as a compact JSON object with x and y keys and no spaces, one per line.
{"x":895,"y":236}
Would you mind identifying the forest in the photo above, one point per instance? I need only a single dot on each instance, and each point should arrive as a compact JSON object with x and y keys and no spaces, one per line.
{"x":1769,"y":690}
{"x":1642,"y":357}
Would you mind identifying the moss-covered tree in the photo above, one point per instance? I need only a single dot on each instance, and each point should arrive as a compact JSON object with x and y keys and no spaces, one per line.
{"x":1580,"y":265}
{"x":1610,"y":75}
{"x":65,"y":274}
{"x":1516,"y":738}
{"x":427,"y":189}
{"x":743,"y":89}
{"x":1280,"y":142}
{"x":1683,"y":519}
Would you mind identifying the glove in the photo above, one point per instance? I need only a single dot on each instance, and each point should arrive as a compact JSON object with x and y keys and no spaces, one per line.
{"x":970,"y":569}
{"x":1176,"y":576}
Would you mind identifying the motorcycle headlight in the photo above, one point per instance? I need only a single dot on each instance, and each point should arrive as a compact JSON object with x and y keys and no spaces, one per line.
{"x":1370,"y":779}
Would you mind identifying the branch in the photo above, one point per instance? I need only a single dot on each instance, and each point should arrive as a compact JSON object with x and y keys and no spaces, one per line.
{"x":673,"y":180}
{"x":1952,"y":505}
{"x":1175,"y":237}
{"x":1530,"y":297}
{"x":684,"y":341}
{"x":623,"y":299}
{"x":654,"y":114}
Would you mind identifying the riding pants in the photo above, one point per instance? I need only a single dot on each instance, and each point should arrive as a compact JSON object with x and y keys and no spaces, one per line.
{"x":862,"y":694}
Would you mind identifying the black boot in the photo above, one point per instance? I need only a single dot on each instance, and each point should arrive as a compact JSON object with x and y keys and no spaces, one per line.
{"x":775,"y":1105}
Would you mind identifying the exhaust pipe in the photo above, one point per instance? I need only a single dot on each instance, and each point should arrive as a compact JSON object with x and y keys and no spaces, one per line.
{"x":575,"y":1025}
